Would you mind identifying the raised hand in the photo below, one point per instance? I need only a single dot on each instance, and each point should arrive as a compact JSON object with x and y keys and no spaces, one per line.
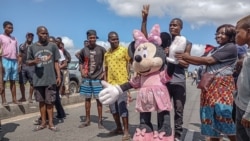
{"x":145,"y":11}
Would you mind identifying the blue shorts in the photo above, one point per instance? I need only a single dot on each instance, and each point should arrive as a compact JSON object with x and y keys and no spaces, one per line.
{"x":10,"y":69}
{"x":90,"y":88}
{"x":120,"y":106}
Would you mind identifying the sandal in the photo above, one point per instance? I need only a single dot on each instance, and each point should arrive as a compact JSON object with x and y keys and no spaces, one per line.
{"x":126,"y":137}
{"x":39,"y":127}
{"x":85,"y":124}
{"x":54,"y":128}
{"x":116,"y":132}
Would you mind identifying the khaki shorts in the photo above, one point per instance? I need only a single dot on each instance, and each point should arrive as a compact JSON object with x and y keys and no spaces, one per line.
{"x":66,"y":80}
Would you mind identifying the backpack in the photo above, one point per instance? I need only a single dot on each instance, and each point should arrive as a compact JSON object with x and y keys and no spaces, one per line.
{"x":67,"y":55}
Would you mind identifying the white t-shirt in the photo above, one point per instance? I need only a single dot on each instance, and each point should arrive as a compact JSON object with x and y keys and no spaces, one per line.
{"x":62,"y":57}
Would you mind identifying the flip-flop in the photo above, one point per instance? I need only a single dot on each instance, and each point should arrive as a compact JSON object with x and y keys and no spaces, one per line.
{"x":39,"y":127}
{"x":54,"y":128}
{"x":115,"y":132}
{"x":85,"y":124}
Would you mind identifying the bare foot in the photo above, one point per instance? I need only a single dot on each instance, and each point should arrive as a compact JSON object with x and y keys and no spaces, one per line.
{"x":100,"y":125}
{"x":85,"y":124}
{"x":16,"y":102}
{"x":5,"y":104}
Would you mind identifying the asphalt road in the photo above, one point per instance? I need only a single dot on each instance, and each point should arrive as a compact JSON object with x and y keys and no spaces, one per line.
{"x":20,"y":128}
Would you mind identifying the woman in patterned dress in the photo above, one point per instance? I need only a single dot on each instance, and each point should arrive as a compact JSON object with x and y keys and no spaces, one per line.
{"x":216,"y":103}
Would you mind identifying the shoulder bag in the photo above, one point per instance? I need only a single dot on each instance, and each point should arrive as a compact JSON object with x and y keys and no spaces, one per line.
{"x":207,"y":79}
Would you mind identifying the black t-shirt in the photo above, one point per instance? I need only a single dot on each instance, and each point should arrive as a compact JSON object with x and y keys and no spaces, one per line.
{"x":23,"y":48}
{"x":94,"y":61}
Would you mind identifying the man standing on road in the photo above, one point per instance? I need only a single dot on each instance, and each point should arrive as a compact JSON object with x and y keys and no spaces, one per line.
{"x":62,"y":64}
{"x":25,"y":71}
{"x":8,"y":45}
{"x":177,"y":85}
{"x":45,"y":55}
{"x":1,"y":79}
{"x":64,"y":90}
{"x":91,"y":65}
{"x":116,"y":73}
{"x":195,"y":75}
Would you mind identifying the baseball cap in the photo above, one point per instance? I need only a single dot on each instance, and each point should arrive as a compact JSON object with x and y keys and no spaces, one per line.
{"x":29,"y":33}
{"x":92,"y":32}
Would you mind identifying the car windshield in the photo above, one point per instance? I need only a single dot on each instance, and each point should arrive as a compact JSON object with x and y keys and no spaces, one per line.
{"x":73,"y":65}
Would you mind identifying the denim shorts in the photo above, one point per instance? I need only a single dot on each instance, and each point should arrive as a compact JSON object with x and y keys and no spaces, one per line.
{"x":90,"y":88}
{"x":120,"y":106}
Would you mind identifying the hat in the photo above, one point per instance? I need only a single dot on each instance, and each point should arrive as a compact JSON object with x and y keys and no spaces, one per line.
{"x":29,"y":33}
{"x":92,"y":32}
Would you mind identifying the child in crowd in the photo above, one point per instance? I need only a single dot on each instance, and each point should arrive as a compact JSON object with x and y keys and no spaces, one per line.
{"x":242,"y":100}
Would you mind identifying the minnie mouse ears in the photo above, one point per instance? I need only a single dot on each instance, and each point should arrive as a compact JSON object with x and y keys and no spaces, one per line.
{"x":153,"y":36}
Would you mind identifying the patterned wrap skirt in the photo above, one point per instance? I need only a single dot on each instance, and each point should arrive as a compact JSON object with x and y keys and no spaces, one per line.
{"x":216,"y":106}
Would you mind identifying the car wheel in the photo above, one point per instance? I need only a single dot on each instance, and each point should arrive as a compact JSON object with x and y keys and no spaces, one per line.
{"x":73,"y":87}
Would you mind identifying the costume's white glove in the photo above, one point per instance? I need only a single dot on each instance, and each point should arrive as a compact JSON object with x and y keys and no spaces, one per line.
{"x":110,"y":93}
{"x":177,"y":46}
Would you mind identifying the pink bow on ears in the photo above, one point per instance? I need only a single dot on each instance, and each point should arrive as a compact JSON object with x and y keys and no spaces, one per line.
{"x":159,"y":135}
{"x":153,"y":36}
{"x":140,"y":132}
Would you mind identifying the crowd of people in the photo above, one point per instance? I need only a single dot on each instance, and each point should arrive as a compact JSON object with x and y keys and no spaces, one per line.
{"x":34,"y":62}
{"x":44,"y":65}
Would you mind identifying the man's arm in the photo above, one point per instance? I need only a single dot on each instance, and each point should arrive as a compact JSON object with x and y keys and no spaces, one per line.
{"x":105,"y":74}
{"x":31,"y":60}
{"x":58,"y":74}
{"x":77,"y":54}
{"x":239,"y":63}
{"x":1,"y":76}
{"x":63,"y":65}
{"x":183,"y":63}
{"x":19,"y":60}
{"x":144,"y":14}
